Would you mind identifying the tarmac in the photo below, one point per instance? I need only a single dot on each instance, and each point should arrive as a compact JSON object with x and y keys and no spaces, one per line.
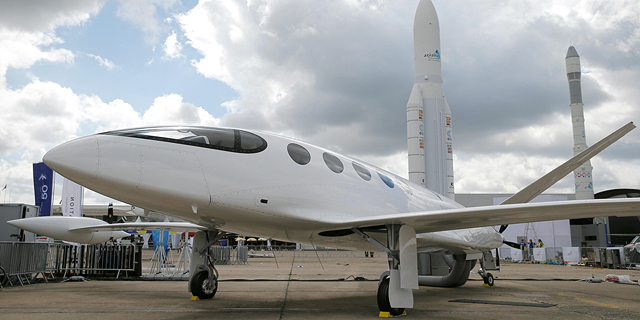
{"x":297,"y":285}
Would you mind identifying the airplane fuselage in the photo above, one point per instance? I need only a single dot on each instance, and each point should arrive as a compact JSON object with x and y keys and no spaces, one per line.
{"x":255,"y":184}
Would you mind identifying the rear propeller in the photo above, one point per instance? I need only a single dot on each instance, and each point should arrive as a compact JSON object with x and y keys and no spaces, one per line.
{"x":509,"y":243}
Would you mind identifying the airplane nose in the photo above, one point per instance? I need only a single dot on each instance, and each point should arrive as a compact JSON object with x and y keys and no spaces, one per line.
{"x":76,"y":160}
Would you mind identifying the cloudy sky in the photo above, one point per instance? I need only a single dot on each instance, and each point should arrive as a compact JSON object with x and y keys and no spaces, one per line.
{"x":336,"y":73}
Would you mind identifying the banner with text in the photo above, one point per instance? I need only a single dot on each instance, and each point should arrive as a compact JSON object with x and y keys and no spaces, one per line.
{"x":71,"y":199}
{"x":43,"y":187}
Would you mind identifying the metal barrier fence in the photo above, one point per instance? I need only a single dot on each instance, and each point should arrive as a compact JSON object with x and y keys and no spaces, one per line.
{"x":230,"y":255}
{"x":94,"y":259}
{"x":23,"y":261}
{"x":264,"y":247}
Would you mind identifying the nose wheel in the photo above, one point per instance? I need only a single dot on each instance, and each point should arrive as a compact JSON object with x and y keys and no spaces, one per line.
{"x":488,"y":279}
{"x":203,"y":283}
{"x":203,"y":286}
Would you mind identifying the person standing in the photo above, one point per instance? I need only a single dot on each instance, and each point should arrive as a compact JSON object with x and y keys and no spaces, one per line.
{"x":531,"y":246}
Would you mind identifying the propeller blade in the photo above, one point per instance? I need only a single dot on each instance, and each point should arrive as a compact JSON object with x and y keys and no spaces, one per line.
{"x":503,"y":228}
{"x":512,"y":244}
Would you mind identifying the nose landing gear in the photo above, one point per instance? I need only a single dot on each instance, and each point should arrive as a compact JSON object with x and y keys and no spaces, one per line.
{"x":203,"y":282}
{"x":396,"y":285}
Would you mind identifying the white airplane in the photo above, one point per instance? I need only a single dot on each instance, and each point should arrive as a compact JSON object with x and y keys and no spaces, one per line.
{"x":279,"y":188}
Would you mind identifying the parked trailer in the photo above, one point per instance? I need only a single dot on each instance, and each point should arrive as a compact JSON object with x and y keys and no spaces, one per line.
{"x":11,"y":211}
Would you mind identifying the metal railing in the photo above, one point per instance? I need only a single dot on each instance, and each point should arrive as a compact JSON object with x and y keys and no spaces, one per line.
{"x":94,"y":259}
{"x":264,"y":247}
{"x":230,"y":255}
{"x":23,"y":261}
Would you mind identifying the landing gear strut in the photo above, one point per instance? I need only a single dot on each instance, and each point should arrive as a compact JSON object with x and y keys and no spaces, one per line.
{"x":203,"y":282}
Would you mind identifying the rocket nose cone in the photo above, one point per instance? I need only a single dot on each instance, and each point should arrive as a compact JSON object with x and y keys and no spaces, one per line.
{"x":426,"y":42}
{"x":76,"y":160}
{"x":426,"y":11}
{"x":572,"y":52}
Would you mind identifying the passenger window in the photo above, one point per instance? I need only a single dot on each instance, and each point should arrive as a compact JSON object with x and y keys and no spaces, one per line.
{"x":362,"y":171}
{"x":298,"y":154}
{"x":386,"y":180}
{"x":333,"y":162}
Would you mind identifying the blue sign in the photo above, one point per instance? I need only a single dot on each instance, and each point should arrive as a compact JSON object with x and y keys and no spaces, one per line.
{"x":43,"y":187}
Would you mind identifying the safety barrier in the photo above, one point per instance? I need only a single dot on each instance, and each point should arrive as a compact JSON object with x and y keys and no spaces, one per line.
{"x":94,"y":259}
{"x":23,"y":261}
{"x":264,"y":247}
{"x":230,"y":255}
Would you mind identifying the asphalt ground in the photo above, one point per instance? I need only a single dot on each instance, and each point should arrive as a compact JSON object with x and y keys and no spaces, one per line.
{"x":299,"y":285}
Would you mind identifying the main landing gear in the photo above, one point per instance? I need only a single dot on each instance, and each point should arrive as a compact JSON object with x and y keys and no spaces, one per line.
{"x":392,"y":297}
{"x":383,"y":297}
{"x":203,"y":282}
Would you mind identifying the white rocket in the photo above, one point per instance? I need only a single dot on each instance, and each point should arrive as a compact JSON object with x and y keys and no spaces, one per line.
{"x":429,"y":131}
{"x":582,"y":175}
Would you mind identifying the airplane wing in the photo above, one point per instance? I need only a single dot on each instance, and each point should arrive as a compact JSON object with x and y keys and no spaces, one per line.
{"x":137,"y":226}
{"x":452,"y":219}
{"x":90,"y":230}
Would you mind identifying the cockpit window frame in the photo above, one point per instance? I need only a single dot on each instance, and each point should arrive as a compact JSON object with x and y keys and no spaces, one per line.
{"x":237,"y":148}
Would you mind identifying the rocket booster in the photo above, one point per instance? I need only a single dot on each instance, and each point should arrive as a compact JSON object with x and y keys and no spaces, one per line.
{"x":582,"y":175}
{"x":429,"y":131}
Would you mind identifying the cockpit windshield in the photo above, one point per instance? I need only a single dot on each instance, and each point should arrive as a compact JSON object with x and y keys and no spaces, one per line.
{"x":232,"y":140}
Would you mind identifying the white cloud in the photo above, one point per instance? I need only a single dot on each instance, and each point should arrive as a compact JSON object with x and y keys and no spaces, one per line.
{"x":172,"y":47}
{"x":21,"y":50}
{"x":38,"y":116}
{"x":503,"y":172}
{"x":171,"y":110}
{"x":103,"y":62}
{"x":42,"y":15}
{"x":142,"y":13}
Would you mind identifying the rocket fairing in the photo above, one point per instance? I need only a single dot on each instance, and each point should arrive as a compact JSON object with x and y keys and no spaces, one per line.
{"x":428,"y":114}
{"x":582,"y":175}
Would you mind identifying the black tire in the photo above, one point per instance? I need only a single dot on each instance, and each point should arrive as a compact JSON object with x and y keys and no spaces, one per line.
{"x":383,"y":299}
{"x":4,"y":278}
{"x":198,"y":286}
{"x":489,"y":280}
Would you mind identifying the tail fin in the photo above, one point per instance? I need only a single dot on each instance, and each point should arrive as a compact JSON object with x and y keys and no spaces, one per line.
{"x":535,"y":189}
